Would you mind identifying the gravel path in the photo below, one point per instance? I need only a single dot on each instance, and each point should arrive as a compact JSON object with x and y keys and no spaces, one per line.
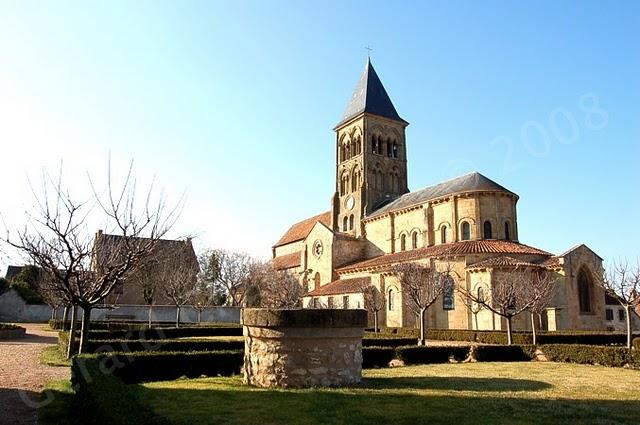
{"x":22,"y":376}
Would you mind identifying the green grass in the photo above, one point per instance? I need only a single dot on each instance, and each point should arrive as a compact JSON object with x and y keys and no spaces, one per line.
{"x":51,"y":356}
{"x":55,"y":408}
{"x":478,"y":393}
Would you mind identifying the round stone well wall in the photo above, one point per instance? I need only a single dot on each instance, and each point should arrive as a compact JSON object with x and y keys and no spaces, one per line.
{"x":303,"y":347}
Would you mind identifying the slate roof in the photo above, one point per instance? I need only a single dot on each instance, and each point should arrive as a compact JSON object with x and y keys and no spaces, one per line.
{"x":456,"y":248}
{"x":287,"y":261}
{"x":341,"y":286}
{"x":371,"y":97}
{"x":472,"y":182}
{"x":301,"y":229}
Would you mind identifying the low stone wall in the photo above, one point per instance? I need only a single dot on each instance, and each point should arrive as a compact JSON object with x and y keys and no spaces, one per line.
{"x":303,"y":348}
{"x":12,"y":333}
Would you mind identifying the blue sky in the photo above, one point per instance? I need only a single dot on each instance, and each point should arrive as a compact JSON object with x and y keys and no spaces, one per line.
{"x":234,"y":103}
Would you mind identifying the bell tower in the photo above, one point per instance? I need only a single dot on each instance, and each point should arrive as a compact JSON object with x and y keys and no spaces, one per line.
{"x":371,"y":154}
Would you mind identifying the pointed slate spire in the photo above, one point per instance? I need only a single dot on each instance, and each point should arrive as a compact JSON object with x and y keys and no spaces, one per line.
{"x":370,"y":96}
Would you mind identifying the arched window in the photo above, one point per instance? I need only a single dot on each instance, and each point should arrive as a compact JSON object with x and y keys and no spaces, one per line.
{"x":351,"y":222}
{"x":466,"y":231}
{"x":345,"y":223}
{"x":391,"y":299}
{"x":443,"y":234}
{"x":374,"y":144}
{"x":507,"y":233}
{"x":584,"y":291}
{"x":448,"y":298}
{"x":316,"y":280}
{"x":358,"y":145}
{"x":403,"y":242}
{"x":389,"y":148}
{"x":487,"y":230}
{"x":395,"y":150}
{"x":480,"y":294}
{"x":414,"y":240}
{"x":379,"y":180}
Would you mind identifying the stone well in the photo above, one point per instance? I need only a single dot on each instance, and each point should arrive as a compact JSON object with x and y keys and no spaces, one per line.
{"x":302,"y":348}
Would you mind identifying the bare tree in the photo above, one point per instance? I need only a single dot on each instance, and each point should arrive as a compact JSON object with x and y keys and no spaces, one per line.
{"x":374,"y":302}
{"x":507,"y":297}
{"x":278,"y":289}
{"x":56,"y":239}
{"x":423,"y":285}
{"x":201,"y":299}
{"x":622,"y":282}
{"x":179,"y":275}
{"x":233,"y":272}
{"x":148,"y":280}
{"x":539,"y":287}
{"x":474,"y":308}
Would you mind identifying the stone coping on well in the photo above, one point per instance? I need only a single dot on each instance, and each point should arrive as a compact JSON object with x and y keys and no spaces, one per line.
{"x":304,"y":318}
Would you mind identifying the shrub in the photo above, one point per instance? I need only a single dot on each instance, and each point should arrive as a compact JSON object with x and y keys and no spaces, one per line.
{"x":377,"y":356}
{"x":164,"y":345}
{"x":388,"y":341}
{"x":423,"y":355}
{"x":504,"y":353}
{"x":589,"y":354}
{"x":4,"y":284}
{"x":400,"y":332}
{"x":636,"y":343}
{"x":102,"y":398}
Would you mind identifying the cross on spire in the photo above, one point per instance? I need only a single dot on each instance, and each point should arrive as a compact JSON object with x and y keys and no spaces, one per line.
{"x":368,"y":49}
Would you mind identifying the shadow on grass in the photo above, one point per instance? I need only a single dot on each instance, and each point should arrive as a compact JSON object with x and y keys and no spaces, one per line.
{"x":229,"y":402}
{"x":456,"y":384}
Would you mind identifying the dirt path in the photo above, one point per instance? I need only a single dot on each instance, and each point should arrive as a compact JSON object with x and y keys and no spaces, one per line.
{"x":22,"y":376}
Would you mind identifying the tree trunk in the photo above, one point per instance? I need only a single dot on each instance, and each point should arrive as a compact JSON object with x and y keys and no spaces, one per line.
{"x":199,"y":316}
{"x":150,"y":308}
{"x":84,"y":334}
{"x":509,"y":336}
{"x":72,"y":332}
{"x":423,"y":331}
{"x":475,"y":319}
{"x":65,"y":317}
{"x":375,"y":321}
{"x":533,"y":329}
{"x":53,"y":313}
{"x":627,"y":311}
{"x":177,"y":316}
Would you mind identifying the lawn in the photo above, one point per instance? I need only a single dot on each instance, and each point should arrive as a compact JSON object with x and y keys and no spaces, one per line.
{"x":477,"y":393}
{"x":51,"y":356}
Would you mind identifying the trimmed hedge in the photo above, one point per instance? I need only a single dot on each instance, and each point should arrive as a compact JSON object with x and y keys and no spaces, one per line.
{"x":162,"y":345}
{"x":8,"y":327}
{"x":425,"y":355}
{"x":636,"y":343}
{"x":386,"y":341}
{"x":519,"y":337}
{"x":102,"y":398}
{"x":504,"y":353}
{"x":377,"y":356}
{"x":589,"y":354}
{"x":165,"y":333}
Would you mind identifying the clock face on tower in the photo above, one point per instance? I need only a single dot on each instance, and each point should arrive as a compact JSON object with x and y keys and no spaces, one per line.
{"x":350,"y":202}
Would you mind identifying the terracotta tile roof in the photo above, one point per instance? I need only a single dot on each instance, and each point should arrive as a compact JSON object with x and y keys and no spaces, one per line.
{"x":552,"y":262}
{"x":502,"y":261}
{"x":457,"y":248}
{"x":341,"y":286}
{"x":287,"y":261}
{"x":301,"y":229}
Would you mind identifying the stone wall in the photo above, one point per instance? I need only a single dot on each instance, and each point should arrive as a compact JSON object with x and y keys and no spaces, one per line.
{"x":303,"y":348}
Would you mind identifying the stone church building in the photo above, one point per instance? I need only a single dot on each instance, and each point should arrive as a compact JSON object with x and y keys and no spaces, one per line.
{"x":375,"y":223}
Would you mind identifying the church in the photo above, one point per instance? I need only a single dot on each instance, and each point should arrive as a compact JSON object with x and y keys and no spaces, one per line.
{"x":375,"y":223}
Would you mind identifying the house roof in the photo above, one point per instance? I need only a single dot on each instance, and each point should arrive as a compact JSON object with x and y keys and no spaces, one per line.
{"x":472,"y":182}
{"x":341,"y":286}
{"x":371,"y":97}
{"x":161,"y":246}
{"x":502,"y":262}
{"x":454,"y":249}
{"x":287,"y":261}
{"x":301,"y":229}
